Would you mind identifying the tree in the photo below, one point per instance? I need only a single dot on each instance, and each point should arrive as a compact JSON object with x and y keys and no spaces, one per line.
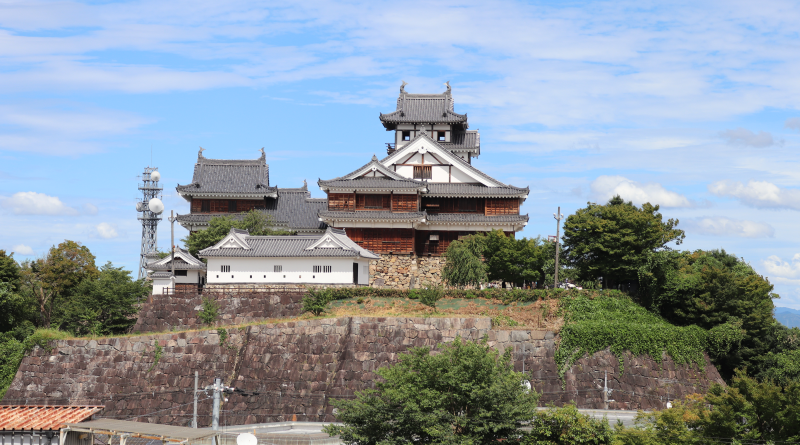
{"x":467,"y":394}
{"x":256,"y":222}
{"x":56,"y":276}
{"x":9,"y":269}
{"x":567,"y":426}
{"x":464,"y":265}
{"x":613,"y":240}
{"x":517,"y":261}
{"x":105,"y":305}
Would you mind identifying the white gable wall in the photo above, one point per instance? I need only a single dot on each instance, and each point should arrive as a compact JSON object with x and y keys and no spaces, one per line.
{"x":450,"y":172}
{"x":294,"y":270}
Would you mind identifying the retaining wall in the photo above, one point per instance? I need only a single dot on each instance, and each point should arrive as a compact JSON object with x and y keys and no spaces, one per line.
{"x":298,"y":367}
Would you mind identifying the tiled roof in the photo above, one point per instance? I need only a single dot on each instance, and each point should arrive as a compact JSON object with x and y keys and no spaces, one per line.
{"x":292,"y":246}
{"x":160,"y":274}
{"x":372,"y":215}
{"x":34,"y":417}
{"x":424,"y":108}
{"x":183,"y":261}
{"x":463,"y":141}
{"x":293,"y":208}
{"x":475,"y":217}
{"x":231,"y":176}
{"x":473,"y":190}
{"x":373,"y":183}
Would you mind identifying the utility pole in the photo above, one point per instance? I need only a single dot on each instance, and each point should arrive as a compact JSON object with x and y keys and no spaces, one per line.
{"x":215,"y":411}
{"x":558,"y":217}
{"x":194,"y":417}
{"x":605,"y":391}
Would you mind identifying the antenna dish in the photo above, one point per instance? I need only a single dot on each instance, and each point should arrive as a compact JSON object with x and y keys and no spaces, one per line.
{"x":246,"y":439}
{"x":155,"y":176}
{"x":140,"y":207}
{"x":156,"y":206}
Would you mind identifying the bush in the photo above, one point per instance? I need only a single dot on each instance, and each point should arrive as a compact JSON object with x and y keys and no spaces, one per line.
{"x":210,"y":312}
{"x":430,"y":295}
{"x":316,"y":300}
{"x":567,"y":426}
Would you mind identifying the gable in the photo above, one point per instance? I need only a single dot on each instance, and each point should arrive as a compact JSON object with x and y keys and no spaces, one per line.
{"x":445,"y":166}
{"x":232,"y":241}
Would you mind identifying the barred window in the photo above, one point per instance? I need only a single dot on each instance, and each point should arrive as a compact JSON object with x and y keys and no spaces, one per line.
{"x":225,"y":268}
{"x":323,"y":269}
{"x":423,"y":172}
{"x":277,"y":269}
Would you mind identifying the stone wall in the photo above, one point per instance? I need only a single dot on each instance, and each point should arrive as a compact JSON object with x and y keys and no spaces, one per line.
{"x":298,"y":367}
{"x":405,"y":271}
{"x":161,"y":313}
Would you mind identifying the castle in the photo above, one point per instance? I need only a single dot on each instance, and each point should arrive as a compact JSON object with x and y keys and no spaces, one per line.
{"x":407,"y":207}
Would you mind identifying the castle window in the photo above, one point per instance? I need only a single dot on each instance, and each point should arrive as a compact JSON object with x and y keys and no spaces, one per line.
{"x":225,"y":268}
{"x":323,"y":269}
{"x":276,"y":269}
{"x":423,"y":172}
{"x":373,"y":201}
{"x":205,"y":206}
{"x":181,"y":273}
{"x":467,"y":205}
{"x":232,"y":206}
{"x":441,"y":136}
{"x":406,"y":135}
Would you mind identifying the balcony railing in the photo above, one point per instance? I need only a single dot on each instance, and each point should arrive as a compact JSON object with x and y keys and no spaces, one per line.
{"x":390,"y":147}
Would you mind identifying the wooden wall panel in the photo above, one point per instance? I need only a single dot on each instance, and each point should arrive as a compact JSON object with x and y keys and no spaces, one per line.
{"x":502,"y":206}
{"x":424,"y":246}
{"x":452,"y":205}
{"x":383,"y":240}
{"x":221,"y":205}
{"x":404,"y":203}
{"x":340,"y":202}
{"x":362,"y":200}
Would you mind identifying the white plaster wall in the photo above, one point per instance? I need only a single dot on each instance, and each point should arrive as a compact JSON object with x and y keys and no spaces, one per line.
{"x":159,"y":284}
{"x":294,"y":270}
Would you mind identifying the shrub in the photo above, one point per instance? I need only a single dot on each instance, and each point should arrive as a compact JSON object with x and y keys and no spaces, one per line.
{"x":430,"y":295}
{"x":316,"y":300}
{"x":210,"y":311}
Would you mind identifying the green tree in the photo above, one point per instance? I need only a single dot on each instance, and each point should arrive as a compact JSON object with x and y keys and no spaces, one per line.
{"x":256,"y":222}
{"x":673,"y":426}
{"x":316,"y":300}
{"x":613,"y":240}
{"x":16,"y":312}
{"x":9,"y":269}
{"x":53,"y":279}
{"x":518,"y":261}
{"x":104,"y":305}
{"x":464,"y":265}
{"x":467,"y":394}
{"x":567,"y":426}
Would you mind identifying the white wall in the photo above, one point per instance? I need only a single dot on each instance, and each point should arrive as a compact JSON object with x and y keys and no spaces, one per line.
{"x":192,"y":277}
{"x":294,"y":270}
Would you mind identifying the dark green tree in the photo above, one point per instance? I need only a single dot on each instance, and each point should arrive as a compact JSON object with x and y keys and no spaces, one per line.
{"x":518,"y":261}
{"x":567,"y":426}
{"x":105,"y":305}
{"x":467,"y":394}
{"x":256,"y":222}
{"x":9,"y":269}
{"x":464,"y":265}
{"x":613,"y":240}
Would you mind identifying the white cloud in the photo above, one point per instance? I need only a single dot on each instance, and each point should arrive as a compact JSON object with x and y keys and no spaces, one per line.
{"x":788,"y":270}
{"x":743,"y":136}
{"x":793,"y":123}
{"x":22,"y":249}
{"x":606,"y":187}
{"x":759,"y":194}
{"x":90,"y":209}
{"x":106,"y":231}
{"x":33,"y":203}
{"x":721,"y":226}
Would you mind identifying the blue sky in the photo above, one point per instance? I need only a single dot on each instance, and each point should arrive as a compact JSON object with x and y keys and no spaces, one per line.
{"x":692,"y":105}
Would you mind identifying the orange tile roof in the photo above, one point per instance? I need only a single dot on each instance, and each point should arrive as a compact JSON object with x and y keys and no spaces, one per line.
{"x":35,"y":417}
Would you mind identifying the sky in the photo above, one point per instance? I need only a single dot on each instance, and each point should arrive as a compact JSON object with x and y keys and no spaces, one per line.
{"x":690,"y":105}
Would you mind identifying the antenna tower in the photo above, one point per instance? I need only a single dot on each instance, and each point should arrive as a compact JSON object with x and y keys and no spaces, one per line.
{"x":150,"y":208}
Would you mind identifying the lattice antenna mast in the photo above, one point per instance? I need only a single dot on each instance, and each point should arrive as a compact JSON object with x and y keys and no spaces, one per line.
{"x":149,"y":208}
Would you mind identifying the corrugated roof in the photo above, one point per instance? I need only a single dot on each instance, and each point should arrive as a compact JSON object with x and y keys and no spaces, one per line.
{"x":235,"y":176}
{"x":479,"y":190}
{"x":145,"y":429}
{"x":34,"y":417}
{"x":292,"y":246}
{"x":475,"y":217}
{"x":373,"y":215}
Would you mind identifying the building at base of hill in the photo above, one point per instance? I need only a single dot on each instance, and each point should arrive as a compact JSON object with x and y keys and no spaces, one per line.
{"x":327,"y":259}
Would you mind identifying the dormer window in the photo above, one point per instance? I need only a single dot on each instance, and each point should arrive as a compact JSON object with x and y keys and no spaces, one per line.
{"x":406,"y":135}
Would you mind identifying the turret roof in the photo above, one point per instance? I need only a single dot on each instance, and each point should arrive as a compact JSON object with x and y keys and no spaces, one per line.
{"x":229,"y":176}
{"x":423,"y":108}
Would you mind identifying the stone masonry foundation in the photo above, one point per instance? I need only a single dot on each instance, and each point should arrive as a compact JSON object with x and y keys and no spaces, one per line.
{"x":406,"y":271}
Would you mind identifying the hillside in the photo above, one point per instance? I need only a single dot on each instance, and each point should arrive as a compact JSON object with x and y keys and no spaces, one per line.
{"x":788,"y":317}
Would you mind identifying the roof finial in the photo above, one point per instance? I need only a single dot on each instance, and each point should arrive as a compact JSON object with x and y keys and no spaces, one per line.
{"x":263,"y":155}
{"x":305,"y":185}
{"x":403,"y":87}
{"x":374,"y":158}
{"x":200,"y":153}
{"x":448,"y":87}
